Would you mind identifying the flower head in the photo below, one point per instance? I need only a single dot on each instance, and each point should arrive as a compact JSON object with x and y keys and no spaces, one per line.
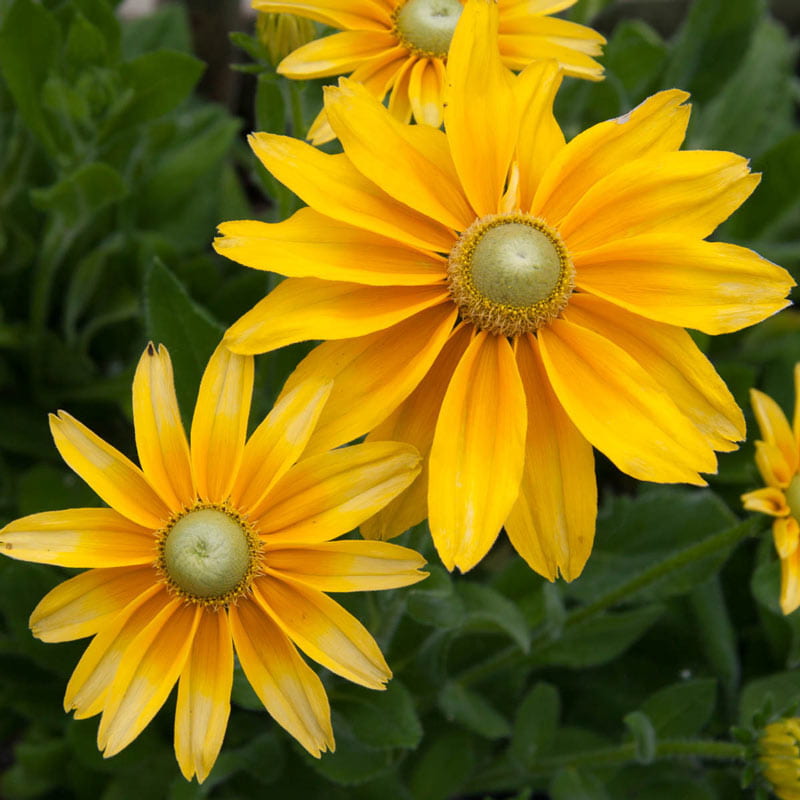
{"x":218,"y":545}
{"x":779,"y":754}
{"x":778,"y":461}
{"x":504,"y":300}
{"x":400,"y":48}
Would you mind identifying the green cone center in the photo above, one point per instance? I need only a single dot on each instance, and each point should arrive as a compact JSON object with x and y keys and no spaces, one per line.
{"x":428,"y":25}
{"x":207,"y":553}
{"x":515,"y":265}
{"x":793,"y":497}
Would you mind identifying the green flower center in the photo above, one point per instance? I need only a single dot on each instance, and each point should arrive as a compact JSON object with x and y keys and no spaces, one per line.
{"x":208,"y":555}
{"x":426,"y":26}
{"x":510,"y":274}
{"x":793,"y":497}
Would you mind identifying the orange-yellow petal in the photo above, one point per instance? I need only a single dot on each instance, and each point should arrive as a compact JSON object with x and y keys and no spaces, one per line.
{"x":772,"y":465}
{"x":204,"y":696}
{"x":426,"y":84}
{"x":478,"y":452}
{"x":329,"y":494}
{"x":303,"y":309}
{"x":552,"y":523}
{"x":519,"y":50}
{"x":346,"y":566}
{"x":309,"y":244}
{"x":355,"y":14}
{"x":796,"y":418}
{"x":160,"y":438}
{"x":790,"y":582}
{"x":774,"y":427}
{"x":289,"y":689}
{"x":219,"y":426}
{"x":85,"y":604}
{"x":786,"y":535}
{"x":336,"y":54}
{"x":399,"y":100}
{"x":115,"y":478}
{"x":323,"y":630}
{"x":620,"y":409}
{"x":770,"y":501}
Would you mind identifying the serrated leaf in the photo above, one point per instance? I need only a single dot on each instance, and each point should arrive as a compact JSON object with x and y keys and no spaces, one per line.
{"x":383,"y":719}
{"x":682,"y":709}
{"x":468,"y":708}
{"x":487,"y":609}
{"x":535,"y":724}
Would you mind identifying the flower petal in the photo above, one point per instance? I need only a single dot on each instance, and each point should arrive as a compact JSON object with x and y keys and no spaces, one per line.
{"x":620,"y":409}
{"x":675,"y":363}
{"x":796,"y":418}
{"x":336,"y":54}
{"x":790,"y":575}
{"x":85,"y":604}
{"x":303,"y":309}
{"x":78,"y":537}
{"x":372,"y":374}
{"x":427,"y":181}
{"x":658,"y":125}
{"x":278,"y":441}
{"x":478,"y":452}
{"x":767,"y":501}
{"x":333,"y":186}
{"x":309,"y":244}
{"x":517,"y":51}
{"x":346,"y":566}
{"x":114,"y":477}
{"x":204,"y":696}
{"x":355,"y":14}
{"x":414,"y":422}
{"x":480,"y":116}
{"x":684,"y":193}
{"x":323,"y":630}
{"x":552,"y":523}
{"x":785,"y":534}
{"x":399,"y":100}
{"x":426,"y":84}
{"x":772,"y":465}
{"x":329,"y":494}
{"x":774,"y":427}
{"x":160,"y":438}
{"x":289,"y":689}
{"x":219,"y":426}
{"x":711,"y":286}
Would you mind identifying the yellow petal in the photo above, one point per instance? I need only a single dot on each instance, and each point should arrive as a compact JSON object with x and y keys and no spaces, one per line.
{"x":303,"y":309}
{"x":427,"y":180}
{"x":796,"y":418}
{"x":772,"y":465}
{"x":480,"y":115}
{"x":278,"y":441}
{"x":204,"y":696}
{"x":88,"y":686}
{"x":146,"y":674}
{"x":774,"y":427}
{"x":540,"y":138}
{"x":563,"y":31}
{"x":785,"y":534}
{"x":711,"y":286}
{"x":329,"y":494}
{"x":790,"y":582}
{"x":85,"y":604}
{"x":478,"y":452}
{"x":289,"y":689}
{"x":656,"y":126}
{"x":160,"y":438}
{"x":114,"y":477}
{"x":552,"y":523}
{"x":372,"y":374}
{"x":78,"y":537}
{"x":513,"y":10}
{"x":310,"y":244}
{"x":768,"y":501}
{"x":620,"y":409}
{"x":414,"y":422}
{"x":517,"y":51}
{"x":334,"y":187}
{"x":346,"y":566}
{"x":684,"y":193}
{"x":219,"y":426}
{"x":675,"y":363}
{"x":336,"y":54}
{"x":355,"y":14}
{"x":426,"y":91}
{"x":323,"y":630}
{"x":399,"y":100}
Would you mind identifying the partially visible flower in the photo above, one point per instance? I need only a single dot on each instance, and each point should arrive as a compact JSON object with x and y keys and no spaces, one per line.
{"x":218,"y":545}
{"x":282,"y":33}
{"x":778,"y":461}
{"x":779,"y":755}
{"x":400,"y":47}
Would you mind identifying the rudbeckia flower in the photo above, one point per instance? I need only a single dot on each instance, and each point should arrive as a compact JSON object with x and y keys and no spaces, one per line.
{"x":400,"y":48}
{"x":778,"y":461}
{"x":505,"y":300}
{"x":210,"y":547}
{"x":779,"y":755}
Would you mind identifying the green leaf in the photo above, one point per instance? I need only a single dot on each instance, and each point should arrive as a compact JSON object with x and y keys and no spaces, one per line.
{"x":644,"y":735}
{"x":469,"y":709}
{"x":187,"y":330}
{"x":382,"y":719}
{"x":78,"y":196}
{"x":535,"y":724}
{"x":487,"y":609}
{"x":569,"y":784}
{"x":635,"y":56}
{"x":444,"y":767}
{"x":270,"y":107}
{"x":353,"y":763}
{"x":85,"y":42}
{"x":434,"y":602}
{"x":781,"y":688}
{"x":165,"y":29}
{"x":682,"y":709}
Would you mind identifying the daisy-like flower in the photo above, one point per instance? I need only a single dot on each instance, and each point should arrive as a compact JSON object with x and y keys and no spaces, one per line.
{"x":504,"y":300}
{"x":401,"y":47}
{"x":778,"y":461}
{"x":779,"y":755}
{"x":220,"y":545}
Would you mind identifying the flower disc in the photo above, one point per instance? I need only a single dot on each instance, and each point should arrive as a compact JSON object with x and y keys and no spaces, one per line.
{"x":427,"y":26}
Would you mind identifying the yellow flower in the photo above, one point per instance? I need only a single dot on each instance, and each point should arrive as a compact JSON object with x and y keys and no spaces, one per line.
{"x":401,"y":46}
{"x":218,"y":545}
{"x":282,"y":33}
{"x":779,"y":754}
{"x":778,"y":461}
{"x":504,"y":301}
